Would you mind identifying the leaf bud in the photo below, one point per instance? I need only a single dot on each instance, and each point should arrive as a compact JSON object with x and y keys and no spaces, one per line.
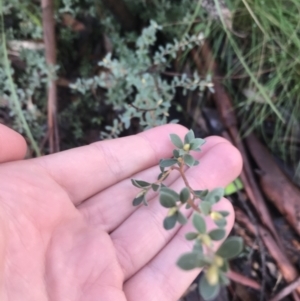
{"x":219,"y":261}
{"x":216,"y":216}
{"x":212,"y":275}
{"x":206,"y":240}
{"x":186,"y":147}
{"x":172,"y":211}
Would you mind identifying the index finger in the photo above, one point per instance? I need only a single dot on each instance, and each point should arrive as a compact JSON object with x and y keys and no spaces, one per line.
{"x":87,"y":170}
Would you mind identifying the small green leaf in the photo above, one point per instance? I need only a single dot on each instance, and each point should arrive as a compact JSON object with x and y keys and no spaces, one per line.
{"x":201,"y":193}
{"x":170,"y":191}
{"x":191,"y":261}
{"x":176,"y":153}
{"x":205,"y":207}
{"x":224,"y":213}
{"x":138,"y":200}
{"x":181,"y":218}
{"x":181,"y":152}
{"x":189,"y":137}
{"x":188,"y":160}
{"x":198,"y":246}
{"x":170,"y":221}
{"x":221,"y":223}
{"x":167,"y":162}
{"x":199,"y":223}
{"x":196,"y":143}
{"x":184,"y":195}
{"x":155,"y":187}
{"x":196,"y":162}
{"x":215,"y":195}
{"x":167,"y":200}
{"x":217,"y":234}
{"x":191,"y":235}
{"x":231,"y":247}
{"x":140,"y":184}
{"x":207,"y":291}
{"x":176,"y":140}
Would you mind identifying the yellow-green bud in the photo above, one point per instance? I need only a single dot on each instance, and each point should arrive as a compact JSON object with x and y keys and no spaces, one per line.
{"x":219,"y":261}
{"x":206,"y":240}
{"x":186,"y":147}
{"x":216,"y":216}
{"x":172,"y":211}
{"x":212,"y":275}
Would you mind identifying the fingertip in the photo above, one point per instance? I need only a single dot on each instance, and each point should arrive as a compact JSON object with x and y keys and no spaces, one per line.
{"x":234,"y":158}
{"x":12,"y":145}
{"x":220,"y":145}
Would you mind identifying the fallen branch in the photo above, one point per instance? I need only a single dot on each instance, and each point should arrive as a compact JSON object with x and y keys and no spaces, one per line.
{"x":275,"y":184}
{"x":50,"y":53}
{"x":236,"y":277}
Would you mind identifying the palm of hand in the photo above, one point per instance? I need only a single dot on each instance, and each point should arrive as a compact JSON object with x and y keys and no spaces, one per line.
{"x":51,"y":252}
{"x":70,"y":233}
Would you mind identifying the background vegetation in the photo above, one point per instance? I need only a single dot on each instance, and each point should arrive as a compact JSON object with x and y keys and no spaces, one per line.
{"x":123,"y":66}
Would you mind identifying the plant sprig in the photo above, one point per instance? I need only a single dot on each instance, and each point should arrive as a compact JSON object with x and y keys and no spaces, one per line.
{"x":214,"y":263}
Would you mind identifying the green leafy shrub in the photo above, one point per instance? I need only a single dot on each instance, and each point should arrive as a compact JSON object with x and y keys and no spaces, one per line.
{"x":131,"y":75}
{"x":134,"y":84}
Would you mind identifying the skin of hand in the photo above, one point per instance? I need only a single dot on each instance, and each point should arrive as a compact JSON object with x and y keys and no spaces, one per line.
{"x":69,"y":232}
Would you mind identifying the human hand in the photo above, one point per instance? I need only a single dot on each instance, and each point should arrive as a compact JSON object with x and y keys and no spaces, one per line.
{"x":70,"y":232}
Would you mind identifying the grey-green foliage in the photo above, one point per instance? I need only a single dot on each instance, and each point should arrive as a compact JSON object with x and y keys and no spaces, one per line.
{"x":130,"y":75}
{"x":29,"y":19}
{"x":75,"y":7}
{"x":133,"y":81}
{"x":174,"y":16}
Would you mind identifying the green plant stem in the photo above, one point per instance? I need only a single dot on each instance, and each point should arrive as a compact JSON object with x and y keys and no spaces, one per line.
{"x":190,"y":201}
{"x":14,"y":96}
